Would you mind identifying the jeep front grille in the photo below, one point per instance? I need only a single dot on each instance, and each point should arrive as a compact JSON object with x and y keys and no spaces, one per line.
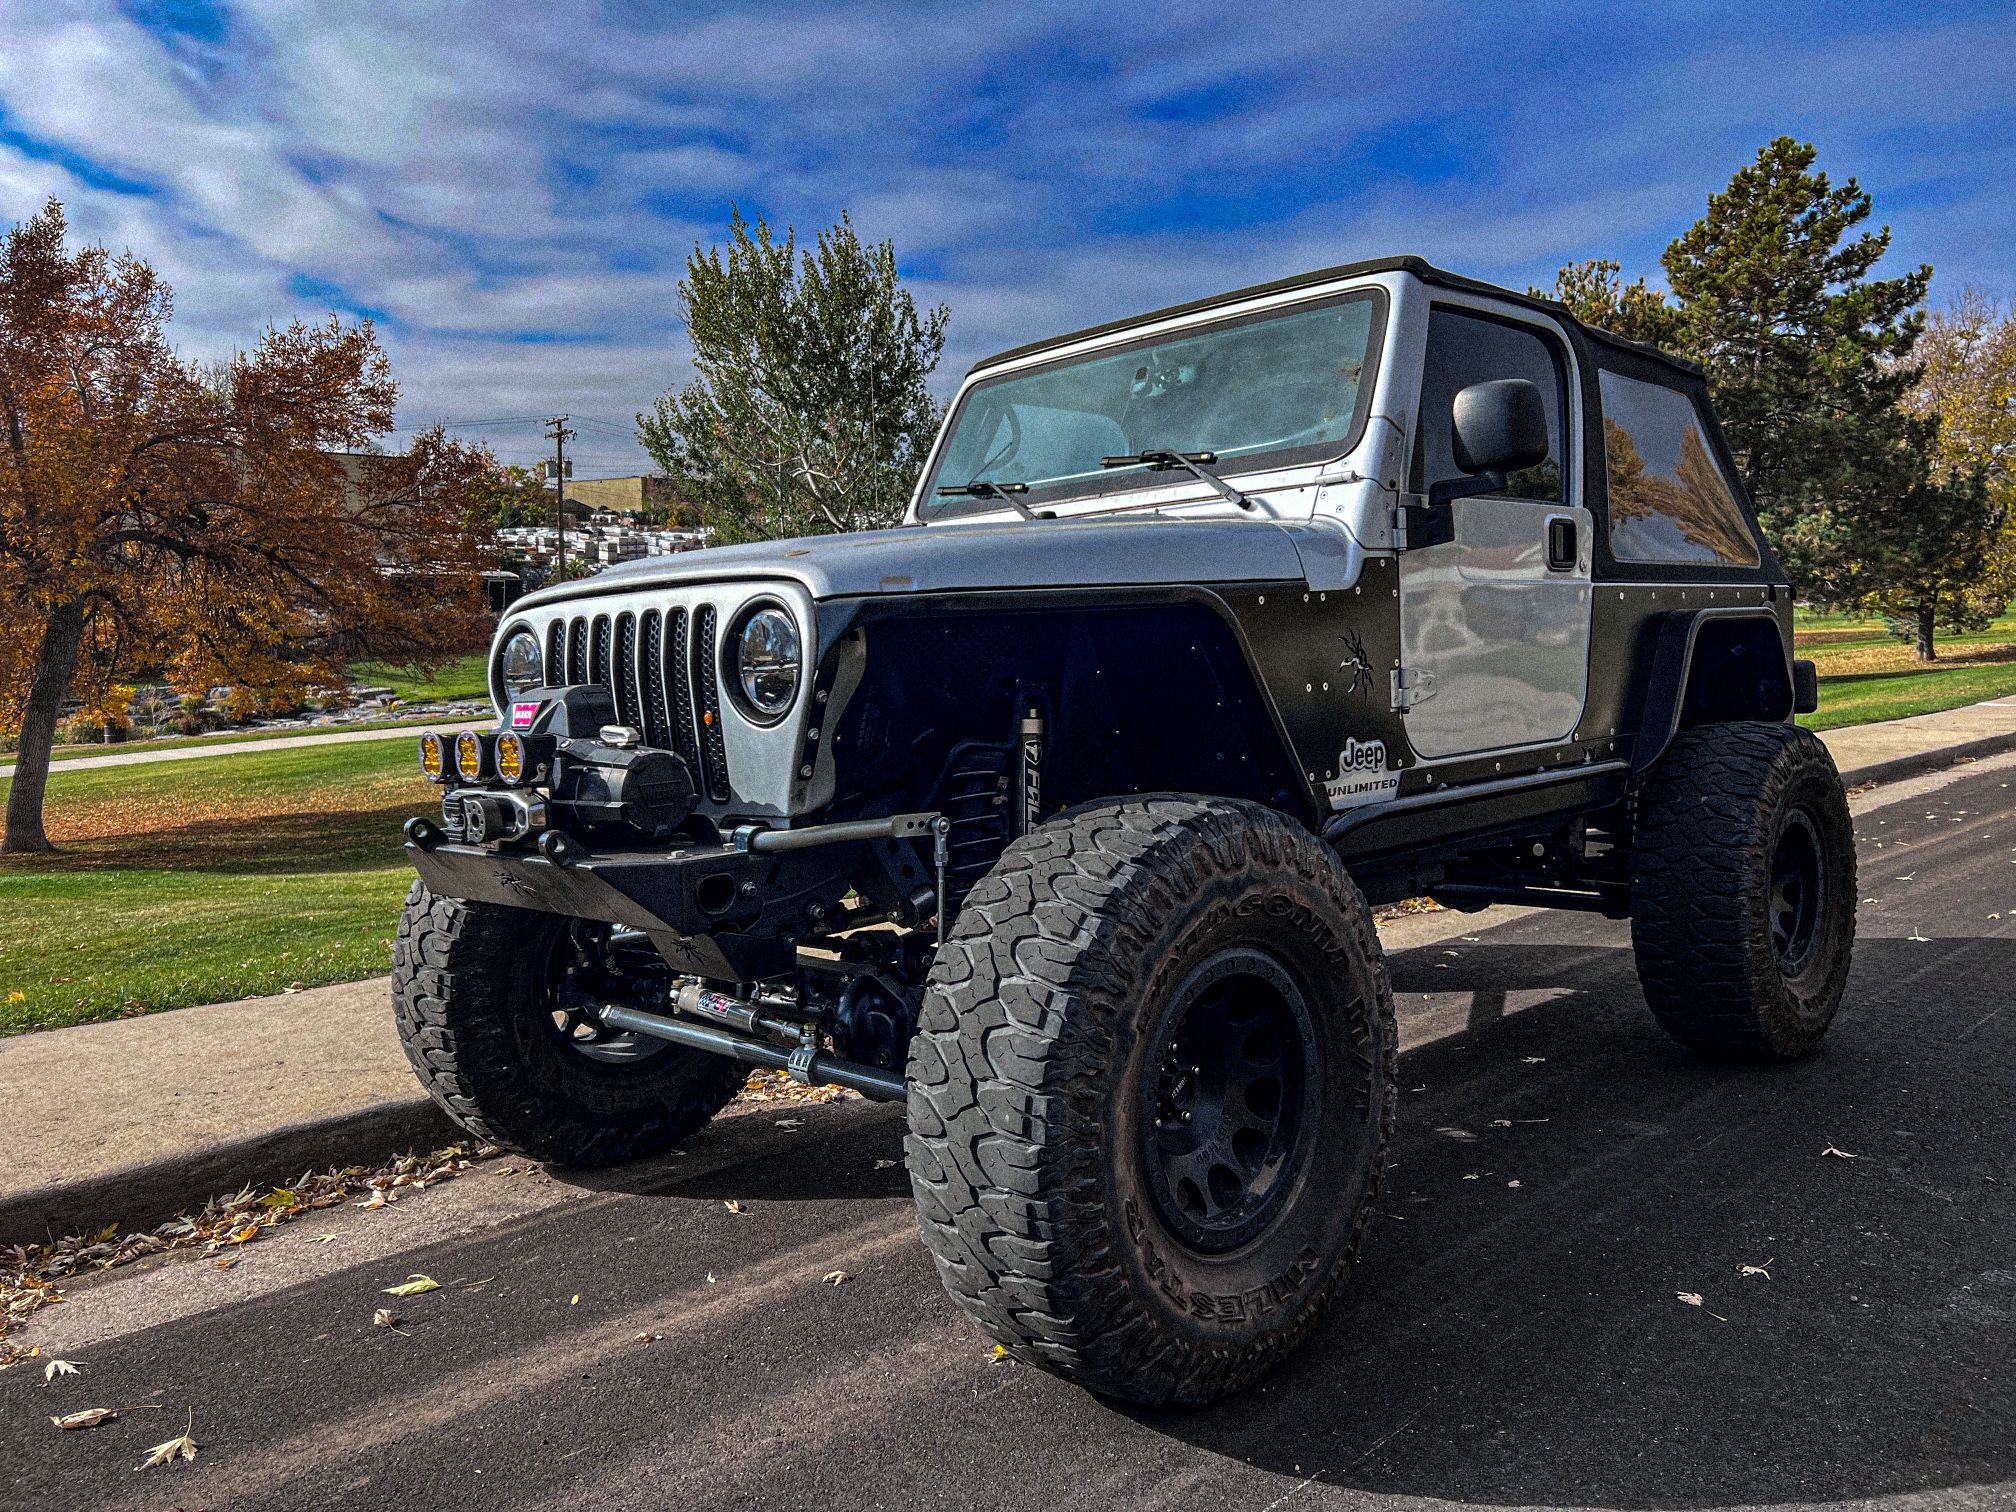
{"x":707,"y":694}
{"x":665,"y":683}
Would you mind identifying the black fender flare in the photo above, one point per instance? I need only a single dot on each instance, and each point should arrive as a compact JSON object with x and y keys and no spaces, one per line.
{"x":1669,"y":683}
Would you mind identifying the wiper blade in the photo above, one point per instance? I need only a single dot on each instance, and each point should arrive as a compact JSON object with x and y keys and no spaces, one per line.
{"x":1191,"y":462}
{"x":983,"y":488}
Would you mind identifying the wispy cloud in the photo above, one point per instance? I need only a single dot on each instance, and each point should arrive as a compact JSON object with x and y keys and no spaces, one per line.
{"x":512,"y":190}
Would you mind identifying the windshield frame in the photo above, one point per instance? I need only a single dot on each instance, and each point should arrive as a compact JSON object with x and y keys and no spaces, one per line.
{"x":929,"y":508}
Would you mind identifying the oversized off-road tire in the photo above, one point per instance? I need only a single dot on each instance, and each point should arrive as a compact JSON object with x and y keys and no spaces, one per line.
{"x":478,"y":995}
{"x":1151,"y":1094}
{"x":1743,"y":890}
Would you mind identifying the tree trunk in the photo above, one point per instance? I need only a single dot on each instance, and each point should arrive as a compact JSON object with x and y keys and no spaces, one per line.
{"x":1924,"y":649}
{"x":54,"y":663}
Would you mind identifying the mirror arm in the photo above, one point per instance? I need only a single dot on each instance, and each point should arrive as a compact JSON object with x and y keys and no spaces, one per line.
{"x":1491,"y":480}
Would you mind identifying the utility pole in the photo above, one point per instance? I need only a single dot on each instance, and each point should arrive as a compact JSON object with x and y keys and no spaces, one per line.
{"x":558,"y":433}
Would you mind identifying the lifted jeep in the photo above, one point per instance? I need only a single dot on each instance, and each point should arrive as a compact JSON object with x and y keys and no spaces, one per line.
{"x":1057,"y":812}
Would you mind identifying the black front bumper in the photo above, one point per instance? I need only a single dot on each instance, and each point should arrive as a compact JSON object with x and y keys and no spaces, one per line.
{"x":712,"y":910}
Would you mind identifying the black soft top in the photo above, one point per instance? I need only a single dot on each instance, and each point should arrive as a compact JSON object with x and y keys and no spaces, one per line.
{"x":1422,"y":269}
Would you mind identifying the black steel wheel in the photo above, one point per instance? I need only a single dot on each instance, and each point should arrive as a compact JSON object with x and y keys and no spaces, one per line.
{"x":491,"y":1008}
{"x":585,"y":968}
{"x":1222,"y":1116}
{"x":1151,"y":1093}
{"x":1743,"y":890}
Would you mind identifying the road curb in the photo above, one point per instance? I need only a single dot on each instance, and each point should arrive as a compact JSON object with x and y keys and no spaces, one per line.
{"x":139,"y":1197}
{"x":1918,"y":763}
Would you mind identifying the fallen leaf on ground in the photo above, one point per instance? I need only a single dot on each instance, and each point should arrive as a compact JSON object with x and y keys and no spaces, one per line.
{"x":710,"y":1279}
{"x":1511,"y":1183}
{"x":1692,"y":1299}
{"x":883,"y":1165}
{"x":384,"y":1318}
{"x":377,"y":1201}
{"x":1501,"y":1123}
{"x":1536,"y":1060}
{"x":790,"y":1123}
{"x":89,"y":1417}
{"x":180,"y":1447}
{"x":413,"y":1286}
{"x":279,"y":1197}
{"x":1839,"y":1154}
{"x":323,"y":1239}
{"x":575,"y":1300}
{"x":1758,"y":1270}
{"x":58,"y":1367}
{"x":836,"y":1278}
{"x":1000,"y":1353}
{"x":733,"y":1206}
{"x":647,"y":1338}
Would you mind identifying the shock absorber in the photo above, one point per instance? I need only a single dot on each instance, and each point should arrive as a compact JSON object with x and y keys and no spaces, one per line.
{"x":1029,"y":735}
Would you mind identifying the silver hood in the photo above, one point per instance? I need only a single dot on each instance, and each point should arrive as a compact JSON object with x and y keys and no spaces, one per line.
{"x":1126,"y":551}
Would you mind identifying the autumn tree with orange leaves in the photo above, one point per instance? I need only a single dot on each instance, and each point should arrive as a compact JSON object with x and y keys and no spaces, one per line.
{"x":199,"y":521}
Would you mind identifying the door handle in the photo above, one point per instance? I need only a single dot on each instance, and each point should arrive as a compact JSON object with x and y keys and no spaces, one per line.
{"x":1561,"y":553}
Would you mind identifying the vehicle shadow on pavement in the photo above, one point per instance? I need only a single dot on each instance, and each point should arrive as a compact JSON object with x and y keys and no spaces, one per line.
{"x":1554,"y":1306}
{"x":777,"y":1153}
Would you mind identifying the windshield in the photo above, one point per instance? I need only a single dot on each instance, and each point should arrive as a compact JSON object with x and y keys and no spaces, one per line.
{"x":1263,"y":391}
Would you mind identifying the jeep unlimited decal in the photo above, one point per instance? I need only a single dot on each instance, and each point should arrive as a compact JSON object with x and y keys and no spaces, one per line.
{"x":1362,"y":775}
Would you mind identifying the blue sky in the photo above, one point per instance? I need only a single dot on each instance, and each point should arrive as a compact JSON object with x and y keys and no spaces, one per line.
{"x":511,"y":190}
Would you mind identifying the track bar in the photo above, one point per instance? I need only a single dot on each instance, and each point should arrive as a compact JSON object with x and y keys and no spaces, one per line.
{"x":819,"y":1068}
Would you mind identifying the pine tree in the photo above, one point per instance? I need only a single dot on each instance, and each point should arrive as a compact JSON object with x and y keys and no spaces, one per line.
{"x":1807,"y":357}
{"x":1596,"y":294}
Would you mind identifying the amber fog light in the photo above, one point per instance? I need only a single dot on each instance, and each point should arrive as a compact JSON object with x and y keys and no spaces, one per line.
{"x":433,"y":758}
{"x":511,"y":759}
{"x":469,"y":755}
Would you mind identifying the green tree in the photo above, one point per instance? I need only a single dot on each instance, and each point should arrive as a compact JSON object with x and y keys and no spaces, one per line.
{"x":1596,"y":294}
{"x":1807,"y":357}
{"x":809,"y":411}
{"x":1815,"y":367}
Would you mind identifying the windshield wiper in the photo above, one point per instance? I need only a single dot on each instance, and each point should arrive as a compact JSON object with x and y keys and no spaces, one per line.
{"x":1192,"y":462}
{"x":983,"y":488}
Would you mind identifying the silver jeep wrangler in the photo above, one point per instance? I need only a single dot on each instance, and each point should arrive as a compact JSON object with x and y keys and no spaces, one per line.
{"x":1056,"y":813}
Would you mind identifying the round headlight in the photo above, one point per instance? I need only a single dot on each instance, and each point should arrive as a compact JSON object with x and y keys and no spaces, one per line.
{"x":520,"y":667}
{"x":767,"y":661}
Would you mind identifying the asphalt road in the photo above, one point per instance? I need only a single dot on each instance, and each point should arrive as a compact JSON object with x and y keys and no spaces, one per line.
{"x":1514,"y":1336}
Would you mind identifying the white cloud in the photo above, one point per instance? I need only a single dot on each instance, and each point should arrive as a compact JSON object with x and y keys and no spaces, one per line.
{"x":480,"y":172}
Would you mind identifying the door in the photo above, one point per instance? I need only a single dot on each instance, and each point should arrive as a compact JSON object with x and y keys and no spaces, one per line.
{"x":1494,"y":623}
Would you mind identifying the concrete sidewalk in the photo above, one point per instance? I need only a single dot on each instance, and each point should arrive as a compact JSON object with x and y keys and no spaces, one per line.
{"x":135,"y":1120}
{"x":1899,"y":748}
{"x":139,"y":755}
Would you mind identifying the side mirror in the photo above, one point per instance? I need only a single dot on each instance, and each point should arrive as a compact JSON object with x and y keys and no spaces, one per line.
{"x":1497,"y":428}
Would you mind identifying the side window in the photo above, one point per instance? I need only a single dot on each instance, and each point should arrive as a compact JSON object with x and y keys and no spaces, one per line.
{"x":1669,"y":499}
{"x":1465,"y":349}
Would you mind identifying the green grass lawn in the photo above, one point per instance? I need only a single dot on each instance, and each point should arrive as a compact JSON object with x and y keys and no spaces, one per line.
{"x":201,"y":881}
{"x":465,"y":677}
{"x":1868,"y":675}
